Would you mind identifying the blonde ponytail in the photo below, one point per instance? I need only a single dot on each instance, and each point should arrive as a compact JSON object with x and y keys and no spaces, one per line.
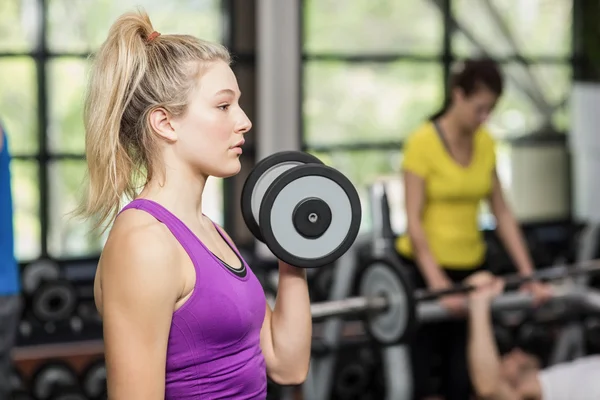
{"x":134,"y":71}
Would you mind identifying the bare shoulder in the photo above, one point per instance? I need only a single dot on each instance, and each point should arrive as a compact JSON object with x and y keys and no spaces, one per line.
{"x":140,"y":252}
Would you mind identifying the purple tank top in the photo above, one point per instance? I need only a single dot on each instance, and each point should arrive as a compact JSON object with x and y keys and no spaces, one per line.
{"x":214,"y":342}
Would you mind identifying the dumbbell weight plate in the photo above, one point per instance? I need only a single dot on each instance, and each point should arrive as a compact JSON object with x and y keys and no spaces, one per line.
{"x":397,"y":322}
{"x":310,"y":216}
{"x":94,"y":380}
{"x":261,"y":177}
{"x":50,"y":378}
{"x":54,"y":301}
{"x":35,"y":273}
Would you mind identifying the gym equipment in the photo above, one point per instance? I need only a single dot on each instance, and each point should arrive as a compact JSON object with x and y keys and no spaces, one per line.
{"x":307,"y":214}
{"x":52,"y":379}
{"x":261,"y":177}
{"x":93,"y":380}
{"x":389,"y":306}
{"x":37,"y":272}
{"x":54,"y":301}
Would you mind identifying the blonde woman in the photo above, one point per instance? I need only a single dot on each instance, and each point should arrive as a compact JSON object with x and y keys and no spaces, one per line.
{"x":184,"y":316}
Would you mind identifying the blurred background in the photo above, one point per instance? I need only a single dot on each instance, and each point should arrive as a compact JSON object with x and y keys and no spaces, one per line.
{"x":344,"y":80}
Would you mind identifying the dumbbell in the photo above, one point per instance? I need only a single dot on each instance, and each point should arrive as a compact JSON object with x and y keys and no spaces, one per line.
{"x":54,"y":301}
{"x":56,"y":380}
{"x":308,"y":214}
{"x":93,"y":380}
{"x":36,"y":273}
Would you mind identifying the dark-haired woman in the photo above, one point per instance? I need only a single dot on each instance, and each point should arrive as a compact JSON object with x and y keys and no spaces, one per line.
{"x":449,"y":167}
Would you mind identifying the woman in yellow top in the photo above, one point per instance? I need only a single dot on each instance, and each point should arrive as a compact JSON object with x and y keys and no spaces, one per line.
{"x":449,"y":167}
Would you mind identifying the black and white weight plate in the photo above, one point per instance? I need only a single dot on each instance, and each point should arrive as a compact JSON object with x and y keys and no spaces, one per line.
{"x":261,"y":177}
{"x":397,"y":322}
{"x":310,"y":216}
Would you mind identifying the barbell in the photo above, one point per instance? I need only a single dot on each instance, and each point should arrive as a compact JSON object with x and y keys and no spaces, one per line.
{"x":388,"y":304}
{"x":308,"y":214}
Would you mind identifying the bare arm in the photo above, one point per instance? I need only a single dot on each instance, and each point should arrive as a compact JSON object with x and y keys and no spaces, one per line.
{"x":1,"y":138}
{"x":483,"y":356}
{"x":414,"y":192}
{"x":287,"y":330}
{"x":139,"y":291}
{"x":508,"y":229}
{"x":530,"y":387}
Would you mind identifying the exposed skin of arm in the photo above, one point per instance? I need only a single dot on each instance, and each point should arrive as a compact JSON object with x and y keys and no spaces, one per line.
{"x":483,"y":356}
{"x":139,"y":289}
{"x":530,"y":388}
{"x":509,"y":230}
{"x":286,"y":333}
{"x":414,"y":192}
{"x":1,"y":138}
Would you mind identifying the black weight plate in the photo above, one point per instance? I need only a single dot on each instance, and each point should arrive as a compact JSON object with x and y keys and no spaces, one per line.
{"x":396,"y":324}
{"x":54,"y":301}
{"x":292,"y":188}
{"x":259,"y":179}
{"x":37,"y":272}
{"x":94,"y":380}
{"x":51,"y":377}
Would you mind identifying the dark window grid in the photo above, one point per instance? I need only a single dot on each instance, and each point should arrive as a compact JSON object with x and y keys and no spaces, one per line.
{"x":443,"y":58}
{"x":41,"y":56}
{"x":383,"y":146}
{"x":446,"y":58}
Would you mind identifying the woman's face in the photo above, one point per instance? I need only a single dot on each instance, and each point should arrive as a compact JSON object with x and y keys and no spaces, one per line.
{"x":474,"y":109}
{"x":208,"y":137}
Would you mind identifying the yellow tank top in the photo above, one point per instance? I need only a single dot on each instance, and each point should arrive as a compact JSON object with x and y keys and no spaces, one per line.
{"x":453,"y":196}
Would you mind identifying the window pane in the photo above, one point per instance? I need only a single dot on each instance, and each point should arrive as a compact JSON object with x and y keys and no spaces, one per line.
{"x":19,"y":25}
{"x":538,"y":27}
{"x":26,"y":203}
{"x":18,"y":103}
{"x":517,"y":114}
{"x":372,"y":26}
{"x":362,"y":168}
{"x":68,"y":236}
{"x":376,"y":102}
{"x":82,"y":25}
{"x":66,"y":81}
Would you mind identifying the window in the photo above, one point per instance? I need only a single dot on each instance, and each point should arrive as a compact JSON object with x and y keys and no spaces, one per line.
{"x":44,"y":46}
{"x":373,"y":70}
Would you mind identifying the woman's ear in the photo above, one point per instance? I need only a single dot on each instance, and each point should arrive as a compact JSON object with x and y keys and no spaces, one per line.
{"x":160,"y":121}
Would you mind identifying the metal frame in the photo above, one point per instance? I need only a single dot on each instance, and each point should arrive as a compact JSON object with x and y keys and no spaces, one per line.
{"x":446,"y":58}
{"x":44,"y":156}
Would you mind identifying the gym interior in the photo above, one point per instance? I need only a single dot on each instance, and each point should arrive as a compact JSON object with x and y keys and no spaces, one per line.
{"x":345,"y":82}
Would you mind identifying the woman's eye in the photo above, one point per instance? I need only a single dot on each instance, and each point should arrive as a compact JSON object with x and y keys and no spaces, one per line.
{"x":224,"y":107}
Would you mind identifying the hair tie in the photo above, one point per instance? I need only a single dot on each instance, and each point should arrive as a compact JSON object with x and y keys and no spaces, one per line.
{"x":152,"y":36}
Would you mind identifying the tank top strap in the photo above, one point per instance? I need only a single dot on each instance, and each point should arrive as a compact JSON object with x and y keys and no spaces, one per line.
{"x":182,"y":233}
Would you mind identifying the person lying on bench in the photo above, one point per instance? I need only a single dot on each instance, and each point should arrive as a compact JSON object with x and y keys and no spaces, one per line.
{"x":517,"y":374}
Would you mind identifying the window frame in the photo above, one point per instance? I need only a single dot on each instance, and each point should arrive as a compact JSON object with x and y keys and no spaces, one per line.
{"x":446,"y":58}
{"x":44,"y":156}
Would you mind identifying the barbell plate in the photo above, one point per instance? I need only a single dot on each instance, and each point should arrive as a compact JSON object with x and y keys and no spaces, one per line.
{"x":50,"y":377}
{"x":261,"y":177}
{"x":35,"y":273}
{"x":310,"y":194}
{"x":54,"y":301}
{"x":397,"y":322}
{"x":94,"y":379}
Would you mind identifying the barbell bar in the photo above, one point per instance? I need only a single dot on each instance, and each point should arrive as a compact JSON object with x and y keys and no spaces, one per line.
{"x":513,"y":280}
{"x":391,"y":309}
